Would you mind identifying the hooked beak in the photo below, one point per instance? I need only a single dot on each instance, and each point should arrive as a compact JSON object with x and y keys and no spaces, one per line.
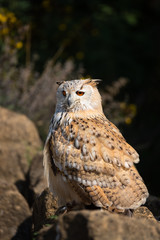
{"x":69,"y":101}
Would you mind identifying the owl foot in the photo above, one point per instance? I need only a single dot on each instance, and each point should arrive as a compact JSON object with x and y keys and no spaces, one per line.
{"x":127,"y":212}
{"x":61,"y":210}
{"x":69,"y":207}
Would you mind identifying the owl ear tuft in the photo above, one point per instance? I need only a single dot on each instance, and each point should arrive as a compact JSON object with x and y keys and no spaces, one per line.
{"x":94,"y":82}
{"x":59,"y":83}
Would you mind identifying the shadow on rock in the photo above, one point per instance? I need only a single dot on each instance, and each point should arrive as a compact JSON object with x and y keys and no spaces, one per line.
{"x":24,"y":231}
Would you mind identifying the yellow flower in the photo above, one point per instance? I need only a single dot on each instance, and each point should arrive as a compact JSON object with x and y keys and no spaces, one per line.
{"x":133,"y":108}
{"x":123,"y":105}
{"x":46,"y":4}
{"x":11,"y":17}
{"x":19,"y":45}
{"x":68,"y":9}
{"x":95,"y":32}
{"x":79,"y":55}
{"x":128,"y":120}
{"x":3,"y":18}
{"x":86,"y":77}
{"x":62,"y":27}
{"x":4,"y":31}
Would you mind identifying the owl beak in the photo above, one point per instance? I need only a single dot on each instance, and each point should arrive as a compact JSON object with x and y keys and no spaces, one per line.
{"x":69,"y":100}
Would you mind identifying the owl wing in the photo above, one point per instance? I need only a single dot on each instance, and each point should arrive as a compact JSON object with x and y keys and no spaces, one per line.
{"x":93,"y":155}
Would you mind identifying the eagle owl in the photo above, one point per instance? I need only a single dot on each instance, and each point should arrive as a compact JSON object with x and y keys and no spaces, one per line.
{"x":86,"y":158}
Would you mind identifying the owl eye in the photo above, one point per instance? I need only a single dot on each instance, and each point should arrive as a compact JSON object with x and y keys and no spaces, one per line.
{"x":64,"y":93}
{"x":80,"y":93}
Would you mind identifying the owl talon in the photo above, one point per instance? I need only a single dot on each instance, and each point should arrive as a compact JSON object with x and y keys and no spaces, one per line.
{"x":68,"y":207}
{"x":128,"y":212}
{"x":61,"y":210}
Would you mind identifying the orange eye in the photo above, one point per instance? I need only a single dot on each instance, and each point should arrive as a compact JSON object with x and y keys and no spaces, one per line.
{"x":64,"y":93}
{"x":80,"y":93}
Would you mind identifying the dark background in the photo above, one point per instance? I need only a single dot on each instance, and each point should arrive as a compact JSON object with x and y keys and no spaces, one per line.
{"x":109,"y":40}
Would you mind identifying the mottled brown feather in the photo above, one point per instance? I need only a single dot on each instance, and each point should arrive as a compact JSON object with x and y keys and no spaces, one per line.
{"x":98,"y":163}
{"x":86,"y":158}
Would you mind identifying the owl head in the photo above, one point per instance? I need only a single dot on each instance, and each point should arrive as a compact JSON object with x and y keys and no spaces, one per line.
{"x":78,"y":95}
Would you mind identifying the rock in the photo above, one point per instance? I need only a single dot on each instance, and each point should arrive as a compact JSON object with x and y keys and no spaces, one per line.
{"x":46,"y":233}
{"x":19,"y":141}
{"x":143,"y":212}
{"x":101,"y":225}
{"x":44,"y":209}
{"x":15,"y":215}
{"x":91,"y":224}
{"x":36,"y":174}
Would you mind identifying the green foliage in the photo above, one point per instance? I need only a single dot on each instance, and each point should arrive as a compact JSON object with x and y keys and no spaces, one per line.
{"x":47,"y":225}
{"x":101,"y":35}
{"x":109,"y":35}
{"x":19,"y":7}
{"x":131,"y":18}
{"x":53,"y":217}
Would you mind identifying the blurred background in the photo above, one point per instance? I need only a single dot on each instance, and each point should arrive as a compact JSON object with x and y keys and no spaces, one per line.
{"x":118,"y":41}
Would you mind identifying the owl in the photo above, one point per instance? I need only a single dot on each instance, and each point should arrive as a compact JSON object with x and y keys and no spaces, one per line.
{"x":86,"y":159}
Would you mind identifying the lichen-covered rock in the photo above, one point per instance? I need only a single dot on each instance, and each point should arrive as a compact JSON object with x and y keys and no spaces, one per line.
{"x":15,"y":215}
{"x":143,"y":212}
{"x":91,"y":224}
{"x":19,"y":141}
{"x":101,"y":225}
{"x":44,"y":209}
